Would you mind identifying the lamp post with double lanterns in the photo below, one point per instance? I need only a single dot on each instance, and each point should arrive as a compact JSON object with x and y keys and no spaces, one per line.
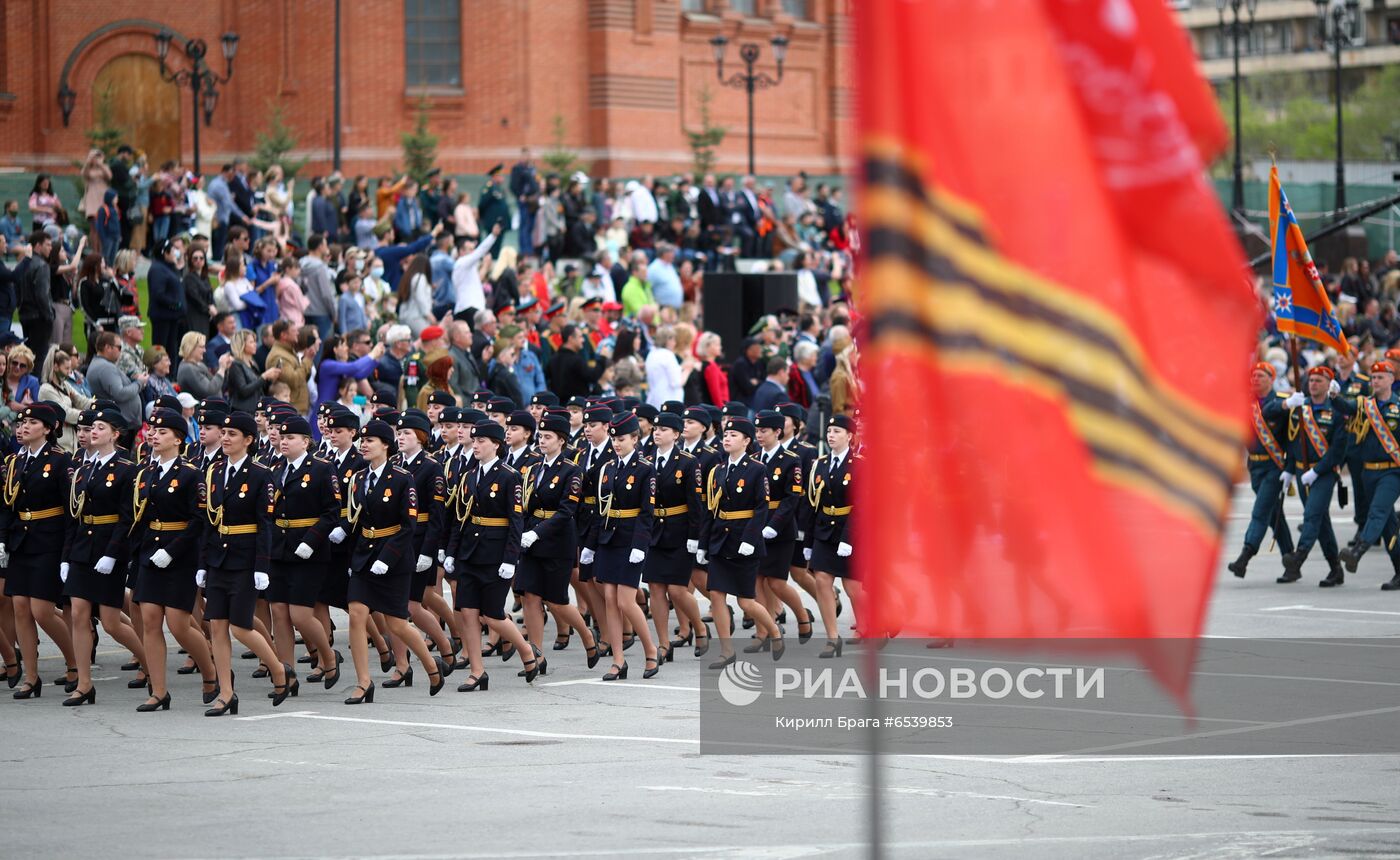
{"x":1237,"y":28}
{"x":201,"y":79}
{"x":749,"y":79}
{"x":1336,"y":19}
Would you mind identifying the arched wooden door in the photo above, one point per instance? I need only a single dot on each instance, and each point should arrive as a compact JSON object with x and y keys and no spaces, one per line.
{"x":144,"y":106}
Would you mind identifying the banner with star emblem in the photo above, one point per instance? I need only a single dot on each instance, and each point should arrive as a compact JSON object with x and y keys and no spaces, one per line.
{"x":1301,"y":305}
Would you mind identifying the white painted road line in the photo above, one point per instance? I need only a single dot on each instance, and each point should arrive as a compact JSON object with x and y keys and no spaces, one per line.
{"x":312,"y":715}
{"x":621,"y":685}
{"x":1308,"y":607}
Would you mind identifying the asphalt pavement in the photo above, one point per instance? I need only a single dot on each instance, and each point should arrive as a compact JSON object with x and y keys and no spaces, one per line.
{"x":571,"y":766}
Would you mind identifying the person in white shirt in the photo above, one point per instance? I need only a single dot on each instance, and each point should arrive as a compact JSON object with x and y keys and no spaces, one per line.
{"x":466,"y":275}
{"x":665,"y":379}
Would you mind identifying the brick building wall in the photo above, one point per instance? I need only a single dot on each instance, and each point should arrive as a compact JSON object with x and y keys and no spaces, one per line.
{"x":624,"y":76}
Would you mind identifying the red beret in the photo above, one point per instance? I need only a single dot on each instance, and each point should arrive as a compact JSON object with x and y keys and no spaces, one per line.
{"x":1323,"y":370}
{"x":1383,"y":367}
{"x":1265,"y":367}
{"x":432,"y":332}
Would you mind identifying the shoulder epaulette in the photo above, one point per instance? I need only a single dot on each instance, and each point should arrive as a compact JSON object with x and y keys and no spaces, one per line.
{"x":401,"y":470}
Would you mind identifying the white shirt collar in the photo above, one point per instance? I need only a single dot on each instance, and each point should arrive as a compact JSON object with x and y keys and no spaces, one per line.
{"x":409,"y":458}
{"x":296,"y":464}
{"x":773,"y":451}
{"x":662,"y":455}
{"x":377,"y":473}
{"x":734,"y":461}
{"x":100,"y":460}
{"x":486,"y":466}
{"x":165,"y":465}
{"x":623,"y":461}
{"x":235,"y":466}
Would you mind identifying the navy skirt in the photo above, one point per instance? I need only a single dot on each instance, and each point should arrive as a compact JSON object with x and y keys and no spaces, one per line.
{"x":668,"y":566}
{"x":296,"y":582}
{"x":777,"y":557}
{"x":728,"y":576}
{"x":85,"y":583}
{"x":825,"y":560}
{"x":34,"y":575}
{"x":335,"y":583}
{"x":172,"y":587}
{"x":387,"y":594}
{"x":546,"y":577}
{"x":610,"y":566}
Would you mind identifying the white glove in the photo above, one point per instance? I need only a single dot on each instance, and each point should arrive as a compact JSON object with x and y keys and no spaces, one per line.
{"x":528,"y":539}
{"x":701,"y":557}
{"x":1287,"y":479}
{"x":161,"y":559}
{"x":424,"y":562}
{"x":449,"y":564}
{"x":105,"y":564}
{"x":801,"y":535}
{"x":379,"y":568}
{"x":199,"y":578}
{"x":506,"y":571}
{"x":745,"y":549}
{"x":806,"y":553}
{"x":337,"y":534}
{"x":1294,"y":400}
{"x":636,"y":556}
{"x":585,"y":557}
{"x":260,"y":580}
{"x":1333,"y":389}
{"x":1308,"y":477}
{"x":692,"y":546}
{"x":303,"y":550}
{"x":4,"y":556}
{"x":843,"y":549}
{"x":63,"y":572}
{"x":442,"y":556}
{"x":769,"y":532}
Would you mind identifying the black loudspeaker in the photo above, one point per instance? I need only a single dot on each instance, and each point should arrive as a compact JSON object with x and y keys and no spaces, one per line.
{"x":734,"y":302}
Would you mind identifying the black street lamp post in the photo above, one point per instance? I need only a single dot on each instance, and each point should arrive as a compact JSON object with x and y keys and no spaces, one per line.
{"x":202,"y":81}
{"x":1336,"y":19}
{"x":1236,"y":29}
{"x":749,"y":79}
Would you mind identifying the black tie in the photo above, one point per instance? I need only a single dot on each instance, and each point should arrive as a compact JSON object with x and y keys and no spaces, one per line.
{"x":228,"y":477}
{"x":369,"y":485}
{"x":661,"y":465}
{"x":286,"y":475}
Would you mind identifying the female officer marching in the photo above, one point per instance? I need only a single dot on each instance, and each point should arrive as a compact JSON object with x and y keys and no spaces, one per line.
{"x":483,"y":550}
{"x":828,"y":541}
{"x":675,"y":536}
{"x":32,"y":523}
{"x":305,"y":509}
{"x":96,"y":548}
{"x":234,"y":558}
{"x":549,"y":545}
{"x":731,"y":539}
{"x":626,"y":490}
{"x":384,"y":514}
{"x":429,"y":535}
{"x":167,"y":521}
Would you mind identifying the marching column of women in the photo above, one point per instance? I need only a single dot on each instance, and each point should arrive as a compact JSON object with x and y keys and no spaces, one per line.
{"x":378,"y":527}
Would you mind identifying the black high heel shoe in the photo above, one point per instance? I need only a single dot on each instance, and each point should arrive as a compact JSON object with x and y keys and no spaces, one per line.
{"x":665,"y":655}
{"x":262,"y":671}
{"x":81,"y":698}
{"x":366,"y":696}
{"x":435,"y":687}
{"x":187,"y":670}
{"x":30,"y":690}
{"x":651,"y":672}
{"x":69,"y":684}
{"x":405,"y":679}
{"x":211,"y":695}
{"x":531,"y":670}
{"x":722,"y":662}
{"x":386,"y":661}
{"x":292,"y":693}
{"x":629,"y":641}
{"x":132,"y":666}
{"x":616,"y":673}
{"x":702,"y":649}
{"x":287,"y":688}
{"x":12,"y":674}
{"x":230,"y":707}
{"x":683,"y":643}
{"x":539,"y":658}
{"x":331,"y":679}
{"x":491,"y":650}
{"x":141,"y":680}
{"x":804,"y":637}
{"x":779,"y":649}
{"x":507,"y":651}
{"x":475,"y":683}
{"x":833,"y":649}
{"x":759,"y":646}
{"x":161,"y":704}
{"x":593,"y":656}
{"x":562,"y":641}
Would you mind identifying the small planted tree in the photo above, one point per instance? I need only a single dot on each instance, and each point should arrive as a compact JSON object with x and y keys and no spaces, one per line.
{"x":274,"y":142}
{"x":419,"y":147}
{"x":105,"y":134}
{"x":560,"y":159}
{"x":704,"y":142}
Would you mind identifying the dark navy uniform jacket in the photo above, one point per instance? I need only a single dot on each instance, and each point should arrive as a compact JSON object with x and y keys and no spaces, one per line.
{"x":680,"y":500}
{"x":239,"y":537}
{"x":785,"y":493}
{"x":829,"y":496}
{"x":550,"y":497}
{"x":490,"y":516}
{"x":306,"y":507}
{"x":431,"y":532}
{"x":168,"y":512}
{"x":737,"y":508}
{"x":626,"y":494}
{"x":35,"y":513}
{"x":100,"y":516}
{"x":387,"y":517}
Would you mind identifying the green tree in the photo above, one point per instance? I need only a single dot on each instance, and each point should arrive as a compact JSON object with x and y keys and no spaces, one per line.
{"x":419,"y":146}
{"x":560,"y":159}
{"x":274,"y":142}
{"x":105,"y":134}
{"x":704,"y":142}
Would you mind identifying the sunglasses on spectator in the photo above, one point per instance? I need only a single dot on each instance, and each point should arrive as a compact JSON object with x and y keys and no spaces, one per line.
{"x":20,"y":364}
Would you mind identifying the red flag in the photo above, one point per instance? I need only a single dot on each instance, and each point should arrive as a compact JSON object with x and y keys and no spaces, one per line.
{"x":1059,"y":324}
